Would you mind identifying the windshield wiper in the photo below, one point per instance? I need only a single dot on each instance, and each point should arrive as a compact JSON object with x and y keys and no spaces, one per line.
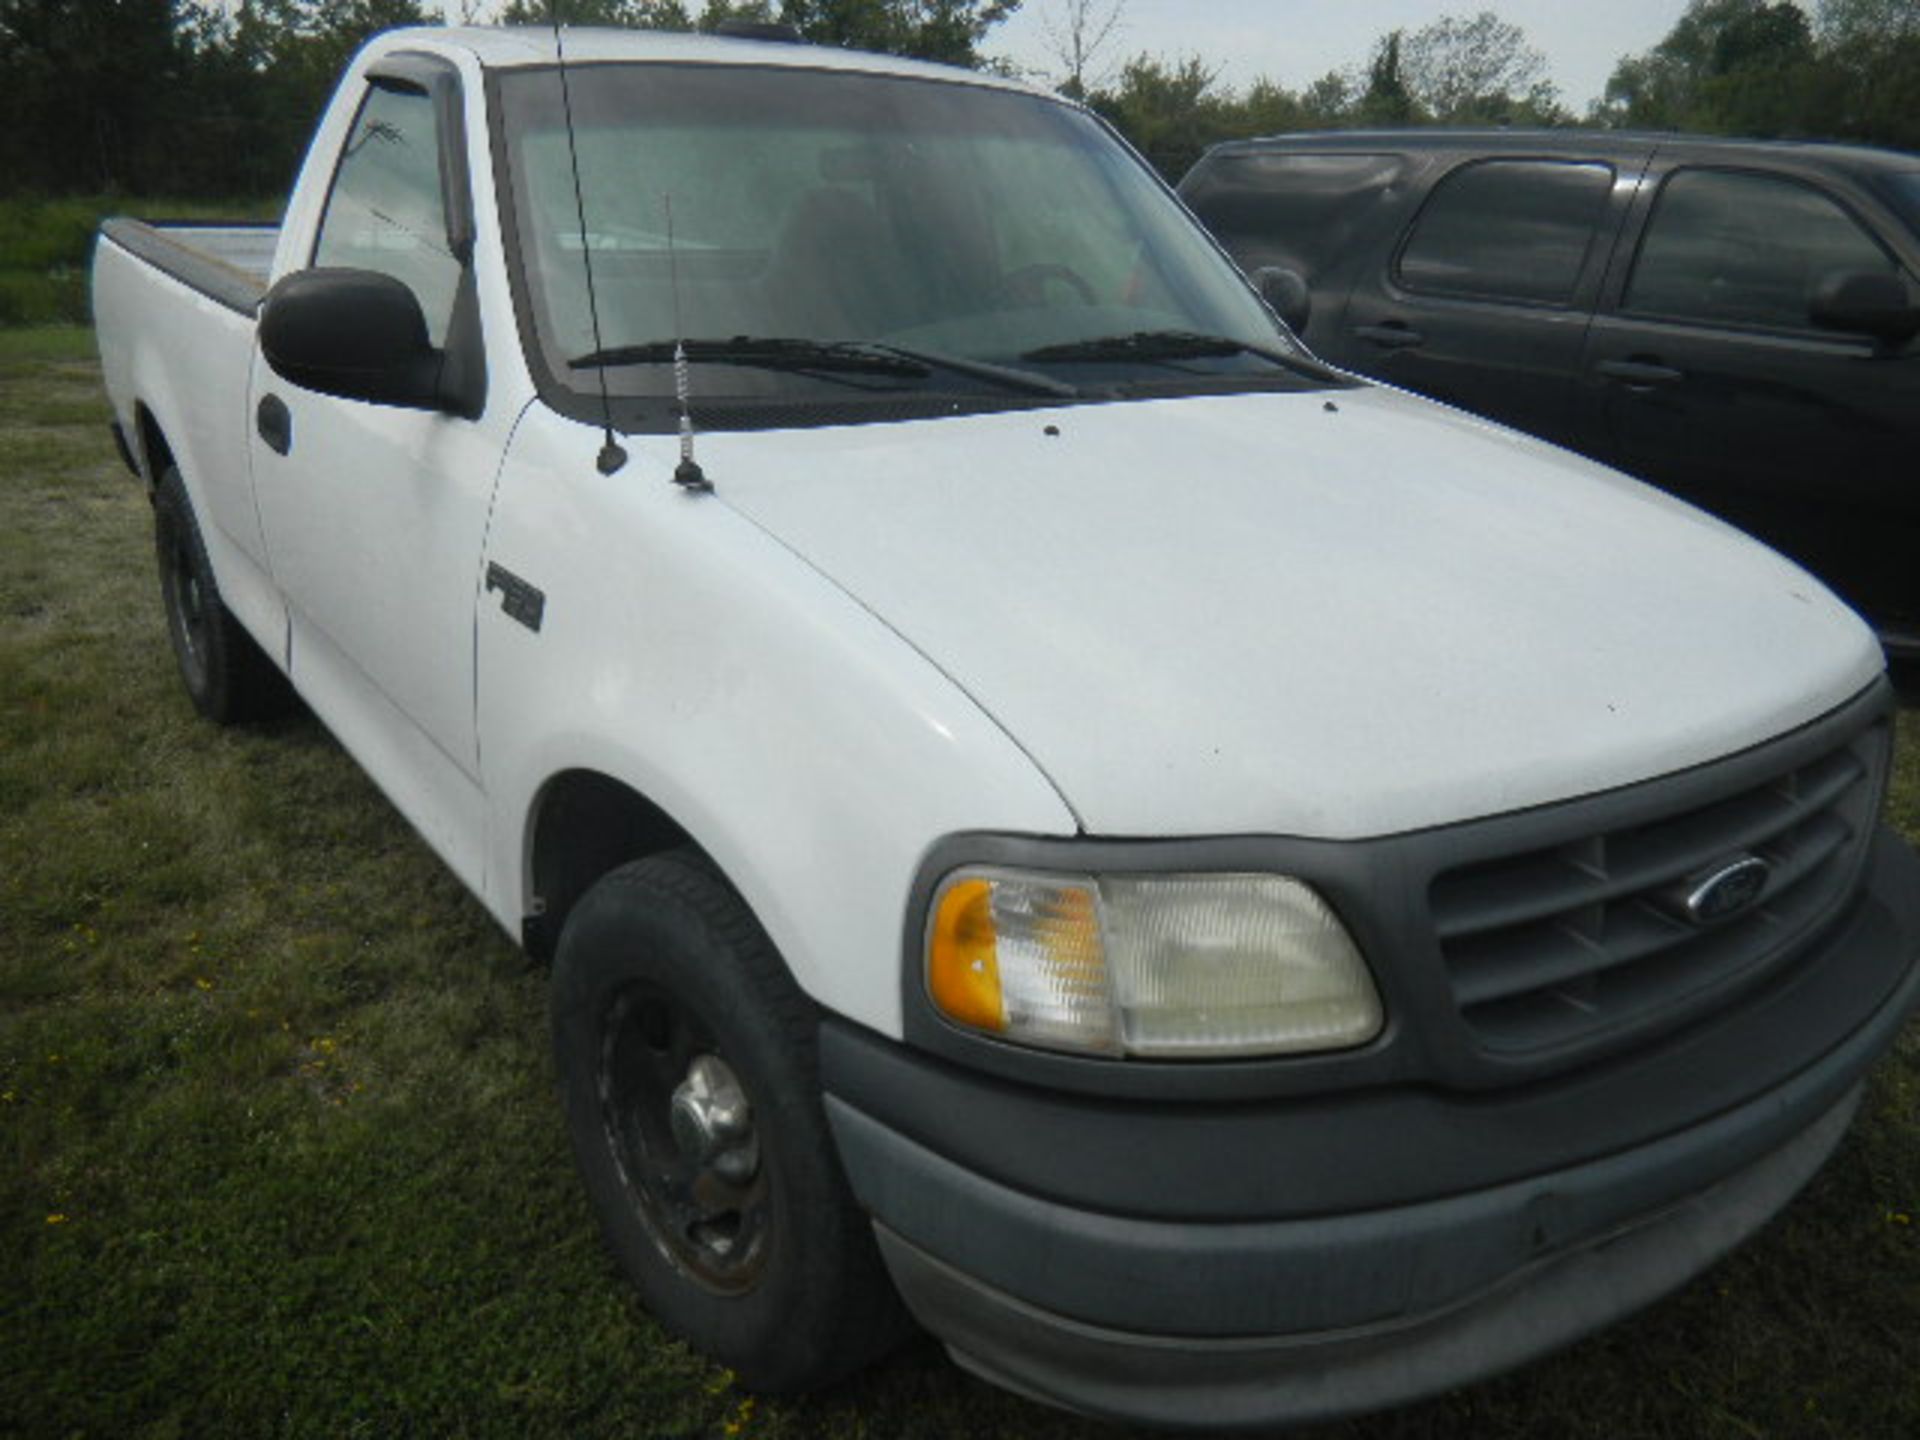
{"x":864,"y":357}
{"x":1004,"y":375}
{"x":1158,"y":345}
{"x":759,"y":354}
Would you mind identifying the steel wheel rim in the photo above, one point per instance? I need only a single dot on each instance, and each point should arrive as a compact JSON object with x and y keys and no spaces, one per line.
{"x":706,"y":1210}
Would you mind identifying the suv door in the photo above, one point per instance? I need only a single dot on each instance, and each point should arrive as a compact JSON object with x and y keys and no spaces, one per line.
{"x":1485,"y":299}
{"x":1713,"y":381}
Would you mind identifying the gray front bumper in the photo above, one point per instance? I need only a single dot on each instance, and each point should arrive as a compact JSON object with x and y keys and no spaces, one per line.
{"x":1245,"y":1382}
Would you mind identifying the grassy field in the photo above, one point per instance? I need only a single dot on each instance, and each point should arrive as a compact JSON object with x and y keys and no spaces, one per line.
{"x":279,"y":1153}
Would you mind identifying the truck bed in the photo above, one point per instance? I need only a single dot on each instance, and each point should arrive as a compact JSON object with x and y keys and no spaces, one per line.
{"x":227,"y":261}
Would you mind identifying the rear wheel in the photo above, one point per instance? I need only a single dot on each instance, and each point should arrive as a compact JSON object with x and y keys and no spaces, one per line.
{"x":687,"y":1067}
{"x":225,"y":674}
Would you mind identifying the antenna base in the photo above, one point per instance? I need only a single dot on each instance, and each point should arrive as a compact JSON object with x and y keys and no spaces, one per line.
{"x":689,"y":476}
{"x":612,"y":457}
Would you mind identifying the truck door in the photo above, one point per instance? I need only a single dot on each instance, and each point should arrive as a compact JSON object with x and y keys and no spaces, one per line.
{"x":1714,"y":383}
{"x":1485,"y":300}
{"x":375,"y":516}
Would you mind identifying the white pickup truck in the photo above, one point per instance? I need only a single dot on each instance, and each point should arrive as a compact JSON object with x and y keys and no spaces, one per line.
{"x":1237,"y":894}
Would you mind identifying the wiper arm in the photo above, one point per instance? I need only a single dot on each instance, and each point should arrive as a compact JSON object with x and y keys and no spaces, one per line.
{"x":867,"y":357}
{"x":759,"y":354}
{"x":1004,"y":375}
{"x":1151,"y":345}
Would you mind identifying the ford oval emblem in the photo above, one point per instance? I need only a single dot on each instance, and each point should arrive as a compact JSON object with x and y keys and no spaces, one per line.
{"x":1732,"y":888}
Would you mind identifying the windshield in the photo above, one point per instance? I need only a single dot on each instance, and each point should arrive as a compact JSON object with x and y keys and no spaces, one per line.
{"x":948,"y":221}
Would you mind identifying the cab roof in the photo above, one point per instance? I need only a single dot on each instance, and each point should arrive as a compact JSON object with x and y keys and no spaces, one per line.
{"x":513,"y":47}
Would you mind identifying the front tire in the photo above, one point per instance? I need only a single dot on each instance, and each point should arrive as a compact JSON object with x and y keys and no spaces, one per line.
{"x":687,"y":1064}
{"x":225,"y":674}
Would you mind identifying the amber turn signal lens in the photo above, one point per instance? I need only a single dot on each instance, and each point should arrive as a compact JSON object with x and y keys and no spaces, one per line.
{"x":963,"y":965}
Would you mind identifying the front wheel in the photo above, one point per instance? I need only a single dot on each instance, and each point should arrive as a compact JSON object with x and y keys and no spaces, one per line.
{"x":687,"y":1067}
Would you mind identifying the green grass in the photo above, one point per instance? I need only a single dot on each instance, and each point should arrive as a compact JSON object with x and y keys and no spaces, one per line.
{"x":279,"y":1153}
{"x":45,"y":245}
{"x":50,"y":342}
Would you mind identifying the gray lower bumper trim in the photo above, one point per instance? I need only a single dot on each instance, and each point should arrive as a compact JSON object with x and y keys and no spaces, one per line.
{"x":1263,"y":1381}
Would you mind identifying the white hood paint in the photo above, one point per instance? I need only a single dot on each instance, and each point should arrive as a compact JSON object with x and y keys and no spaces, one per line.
{"x":1335,"y":614}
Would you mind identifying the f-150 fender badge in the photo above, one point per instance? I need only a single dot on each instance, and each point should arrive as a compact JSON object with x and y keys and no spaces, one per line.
{"x":1727,"y":891}
{"x":521,"y":601}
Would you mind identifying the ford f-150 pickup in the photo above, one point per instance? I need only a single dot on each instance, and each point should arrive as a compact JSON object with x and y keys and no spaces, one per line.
{"x":1228,"y":893}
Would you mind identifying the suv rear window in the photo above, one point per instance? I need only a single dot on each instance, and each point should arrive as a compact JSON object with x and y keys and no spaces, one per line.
{"x":1507,"y":229}
{"x":1300,"y":211}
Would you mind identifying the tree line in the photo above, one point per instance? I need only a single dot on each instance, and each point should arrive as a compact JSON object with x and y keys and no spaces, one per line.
{"x":200,"y":97}
{"x":1772,"y":69}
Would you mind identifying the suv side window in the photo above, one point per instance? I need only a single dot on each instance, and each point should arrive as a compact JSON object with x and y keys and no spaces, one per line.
{"x":386,"y":211}
{"x":1507,"y":229}
{"x":1739,"y":248}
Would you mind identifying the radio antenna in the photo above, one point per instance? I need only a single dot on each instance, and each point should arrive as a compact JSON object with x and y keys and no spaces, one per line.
{"x":612,"y":457}
{"x":687,"y":473}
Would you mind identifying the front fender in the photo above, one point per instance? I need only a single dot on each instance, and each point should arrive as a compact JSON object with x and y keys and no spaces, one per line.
{"x":807,"y":748}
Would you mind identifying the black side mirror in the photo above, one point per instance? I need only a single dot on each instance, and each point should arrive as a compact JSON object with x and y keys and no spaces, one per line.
{"x":1286,"y":291}
{"x":1866,"y":302}
{"x":352,"y":333}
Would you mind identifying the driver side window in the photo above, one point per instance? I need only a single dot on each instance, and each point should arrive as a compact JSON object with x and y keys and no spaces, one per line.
{"x":385,"y":211}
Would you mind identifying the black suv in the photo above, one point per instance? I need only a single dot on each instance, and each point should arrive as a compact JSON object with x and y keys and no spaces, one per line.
{"x":1732,"y":320}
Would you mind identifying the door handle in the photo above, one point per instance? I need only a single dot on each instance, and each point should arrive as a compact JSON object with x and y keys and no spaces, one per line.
{"x":1640,"y":374}
{"x":275,"y":423}
{"x":1394,"y":335}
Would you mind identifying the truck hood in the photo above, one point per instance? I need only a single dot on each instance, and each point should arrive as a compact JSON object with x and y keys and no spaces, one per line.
{"x":1335,"y":614}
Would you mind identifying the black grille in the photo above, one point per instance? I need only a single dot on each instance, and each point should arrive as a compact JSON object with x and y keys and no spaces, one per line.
{"x":1562,"y":942}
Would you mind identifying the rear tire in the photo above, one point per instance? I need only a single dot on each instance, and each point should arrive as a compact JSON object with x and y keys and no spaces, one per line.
{"x":687,"y":1063}
{"x":225,"y":674}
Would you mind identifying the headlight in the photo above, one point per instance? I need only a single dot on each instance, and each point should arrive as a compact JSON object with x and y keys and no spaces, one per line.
{"x":1164,"y":966}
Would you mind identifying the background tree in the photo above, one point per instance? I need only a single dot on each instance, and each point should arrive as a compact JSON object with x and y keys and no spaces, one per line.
{"x":1387,"y":99}
{"x":84,"y":86}
{"x":1868,"y":22}
{"x":632,"y":14}
{"x":263,"y":74}
{"x":1869,"y":80}
{"x":1078,"y":32}
{"x":214,"y":98}
{"x":1171,"y":112}
{"x":1728,"y":66}
{"x":949,"y":30}
{"x":1480,"y":69}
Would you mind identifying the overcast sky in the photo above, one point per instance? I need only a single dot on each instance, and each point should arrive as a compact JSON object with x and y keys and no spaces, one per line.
{"x":1294,"y":42}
